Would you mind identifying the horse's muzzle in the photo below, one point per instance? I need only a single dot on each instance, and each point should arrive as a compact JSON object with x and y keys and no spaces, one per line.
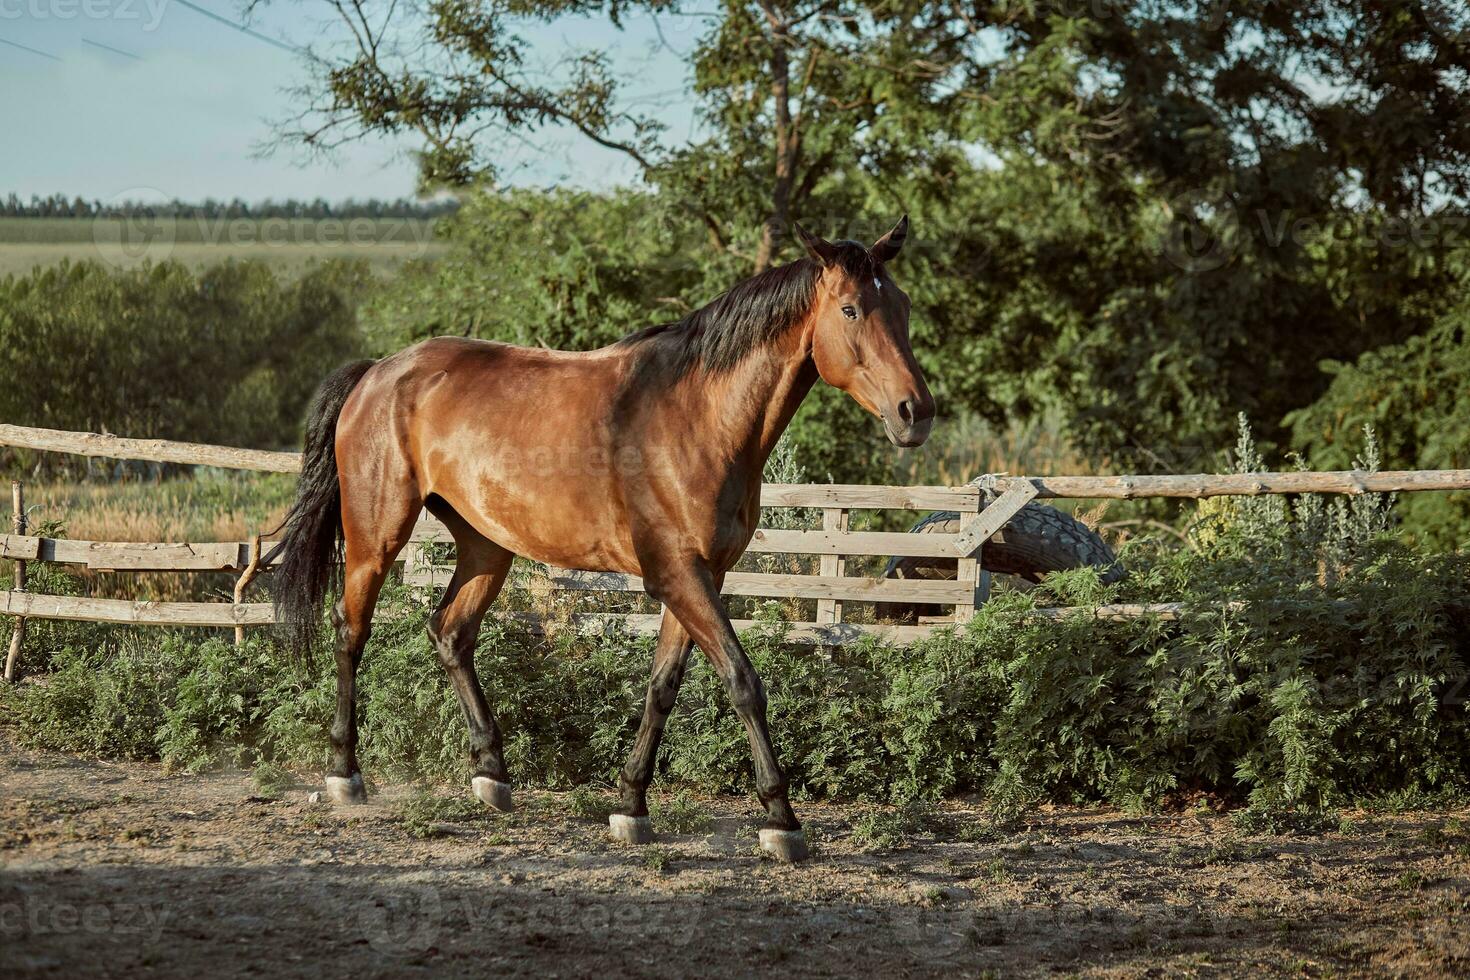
{"x":909,"y":422}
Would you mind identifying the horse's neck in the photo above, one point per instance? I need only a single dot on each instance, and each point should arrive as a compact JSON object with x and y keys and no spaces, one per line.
{"x":758,"y":398}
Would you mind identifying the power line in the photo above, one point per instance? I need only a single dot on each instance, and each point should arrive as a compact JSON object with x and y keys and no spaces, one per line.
{"x":108,"y":47}
{"x":31,"y":50}
{"x":239,"y":27}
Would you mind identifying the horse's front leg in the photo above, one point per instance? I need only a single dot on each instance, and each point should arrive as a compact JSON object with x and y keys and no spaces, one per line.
{"x":630,"y":824}
{"x":691,"y":593}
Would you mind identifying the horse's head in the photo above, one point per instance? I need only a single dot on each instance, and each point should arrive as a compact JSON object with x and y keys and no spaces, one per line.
{"x":860,"y":338}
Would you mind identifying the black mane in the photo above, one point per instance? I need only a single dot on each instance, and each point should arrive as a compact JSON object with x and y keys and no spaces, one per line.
{"x":718,"y":335}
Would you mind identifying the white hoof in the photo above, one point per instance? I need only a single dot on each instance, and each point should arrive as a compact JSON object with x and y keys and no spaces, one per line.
{"x":784,"y":845}
{"x":630,"y":830}
{"x":493,"y":793}
{"x":346,"y":790}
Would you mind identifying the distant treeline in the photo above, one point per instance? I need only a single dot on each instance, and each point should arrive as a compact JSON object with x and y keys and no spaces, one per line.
{"x":60,"y":206}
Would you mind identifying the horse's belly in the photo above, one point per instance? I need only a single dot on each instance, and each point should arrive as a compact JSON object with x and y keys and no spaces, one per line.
{"x":557,"y":505}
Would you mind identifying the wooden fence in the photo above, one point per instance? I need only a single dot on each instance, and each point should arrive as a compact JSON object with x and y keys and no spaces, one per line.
{"x":830,"y":587}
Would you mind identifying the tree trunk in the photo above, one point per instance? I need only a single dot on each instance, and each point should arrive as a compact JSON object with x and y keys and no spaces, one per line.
{"x":787,"y":143}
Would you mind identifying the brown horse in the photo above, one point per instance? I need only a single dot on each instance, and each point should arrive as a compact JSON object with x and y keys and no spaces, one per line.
{"x":643,"y":457}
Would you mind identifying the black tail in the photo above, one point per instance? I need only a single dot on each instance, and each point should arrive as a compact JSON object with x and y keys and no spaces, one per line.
{"x":312,"y":543}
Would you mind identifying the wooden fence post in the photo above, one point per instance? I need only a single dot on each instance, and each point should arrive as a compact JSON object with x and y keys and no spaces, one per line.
{"x":970,"y":574}
{"x":418,"y":570}
{"x":832,"y":566}
{"x":18,"y":525}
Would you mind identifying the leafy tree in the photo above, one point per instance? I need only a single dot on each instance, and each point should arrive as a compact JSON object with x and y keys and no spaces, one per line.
{"x":1144,"y":215}
{"x":1417,"y":395}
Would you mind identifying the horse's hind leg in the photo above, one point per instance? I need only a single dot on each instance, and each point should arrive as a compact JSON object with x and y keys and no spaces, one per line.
{"x":352,"y":616}
{"x":453,"y":629}
{"x":373,"y":535}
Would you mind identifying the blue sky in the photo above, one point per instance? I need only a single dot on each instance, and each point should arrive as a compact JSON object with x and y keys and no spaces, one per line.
{"x":184,"y":115}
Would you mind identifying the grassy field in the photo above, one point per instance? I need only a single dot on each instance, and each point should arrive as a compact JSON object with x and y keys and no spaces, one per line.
{"x":287,"y":245}
{"x":213,"y":505}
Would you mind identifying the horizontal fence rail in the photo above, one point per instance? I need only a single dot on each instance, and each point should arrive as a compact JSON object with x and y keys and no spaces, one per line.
{"x":786,"y":586}
{"x":36,"y":606}
{"x":990,"y":504}
{"x":1198,"y":485}
{"x":853,"y":497}
{"x":151,"y":450}
{"x":128,"y":556}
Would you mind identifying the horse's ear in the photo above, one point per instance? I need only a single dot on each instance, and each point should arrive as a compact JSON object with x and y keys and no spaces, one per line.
{"x":821,"y":250}
{"x":887,"y":248}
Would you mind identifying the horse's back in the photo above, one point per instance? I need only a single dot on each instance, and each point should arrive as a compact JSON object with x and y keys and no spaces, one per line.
{"x":519,"y":441}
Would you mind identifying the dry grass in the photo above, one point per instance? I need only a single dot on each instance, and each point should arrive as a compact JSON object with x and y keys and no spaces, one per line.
{"x":213,"y":505}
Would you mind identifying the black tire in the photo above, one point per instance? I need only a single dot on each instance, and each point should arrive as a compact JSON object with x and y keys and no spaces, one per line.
{"x":1037,"y":541}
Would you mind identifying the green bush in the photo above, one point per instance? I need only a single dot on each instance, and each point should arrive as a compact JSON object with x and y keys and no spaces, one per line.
{"x":230,"y":354}
{"x":1418,"y":394}
{"x":1309,"y":696}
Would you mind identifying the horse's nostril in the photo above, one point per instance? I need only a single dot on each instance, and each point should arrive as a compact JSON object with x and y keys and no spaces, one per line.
{"x":906,"y":411}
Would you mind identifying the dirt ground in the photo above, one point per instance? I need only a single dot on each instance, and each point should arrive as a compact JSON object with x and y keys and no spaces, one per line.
{"x":122,"y":870}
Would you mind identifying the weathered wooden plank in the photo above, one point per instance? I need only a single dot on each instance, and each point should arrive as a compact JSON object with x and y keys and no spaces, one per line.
{"x":143,"y":556}
{"x":429,"y":528}
{"x":772,"y":541}
{"x":994,"y":517}
{"x":125,"y":556}
{"x":968,"y":573}
{"x":1244,"y":484}
{"x":130,"y":556}
{"x":17,"y":579}
{"x":20,"y":547}
{"x":834,"y":525}
{"x":38,"y":606}
{"x":841,"y":542}
{"x":156,"y":450}
{"x":902,"y":634}
{"x":784,"y":586}
{"x":858,"y":497}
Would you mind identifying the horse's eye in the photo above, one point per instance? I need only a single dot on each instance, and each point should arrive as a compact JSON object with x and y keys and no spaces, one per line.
{"x":849,"y":312}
